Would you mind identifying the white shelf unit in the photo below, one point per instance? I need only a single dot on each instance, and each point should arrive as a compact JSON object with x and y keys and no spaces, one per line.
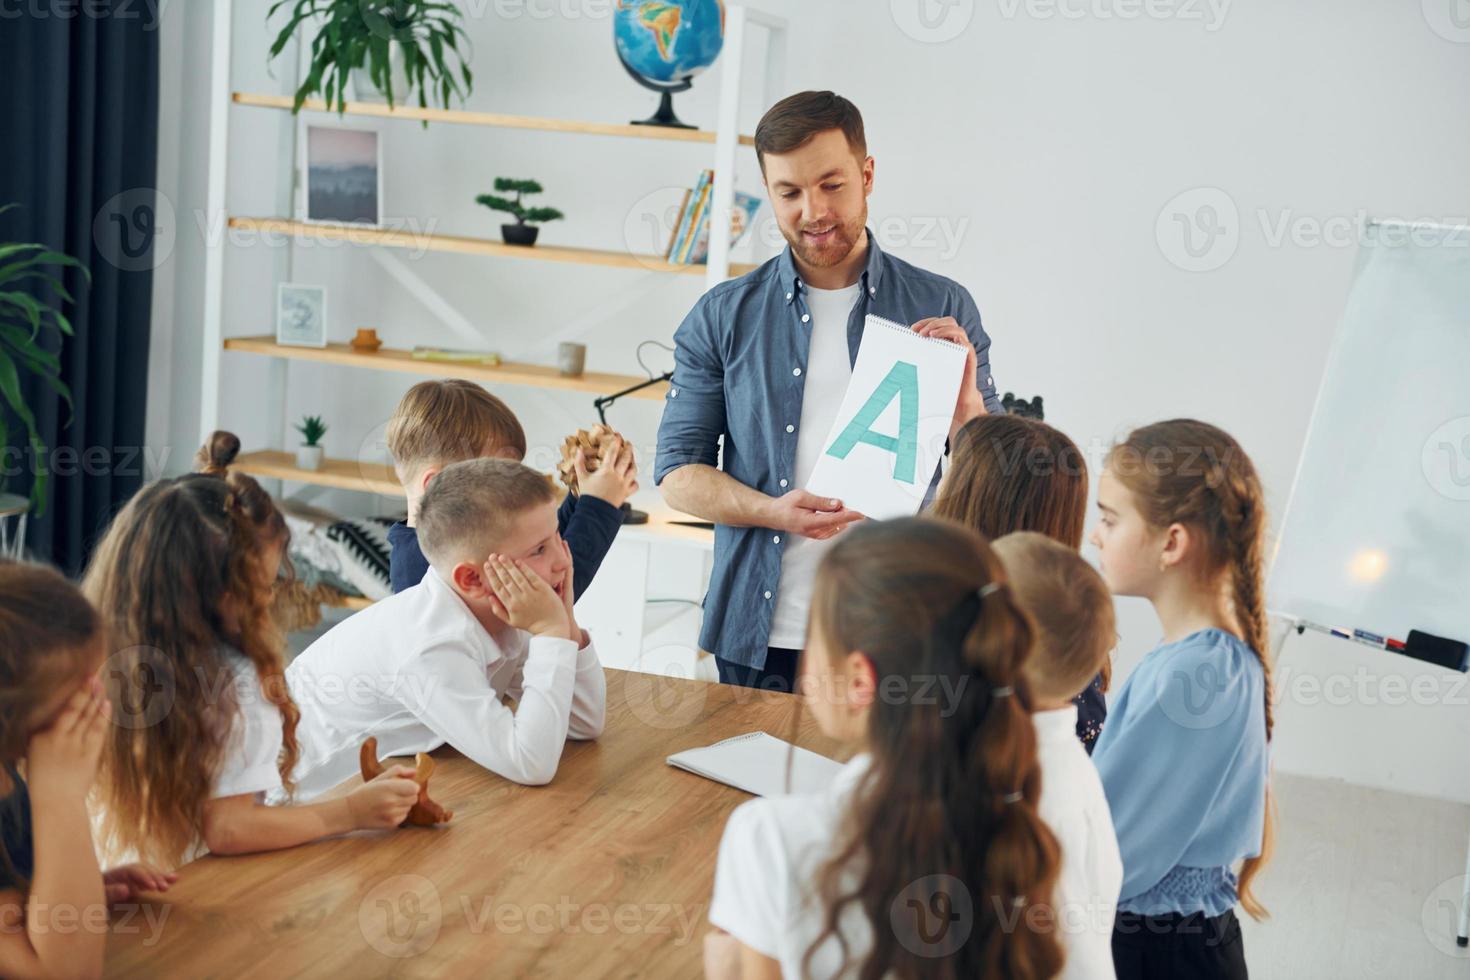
{"x":739,"y":19}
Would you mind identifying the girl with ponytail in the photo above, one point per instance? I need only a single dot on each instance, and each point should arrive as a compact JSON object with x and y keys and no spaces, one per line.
{"x":204,"y":726}
{"x":1184,"y":757}
{"x":926,"y":856}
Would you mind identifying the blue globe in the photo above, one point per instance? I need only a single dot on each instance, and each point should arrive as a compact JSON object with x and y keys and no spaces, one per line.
{"x":668,"y":41}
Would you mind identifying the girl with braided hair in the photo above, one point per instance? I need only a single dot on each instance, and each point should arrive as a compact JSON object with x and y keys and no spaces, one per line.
{"x":205,"y":727}
{"x":926,"y":857}
{"x":1184,"y":757}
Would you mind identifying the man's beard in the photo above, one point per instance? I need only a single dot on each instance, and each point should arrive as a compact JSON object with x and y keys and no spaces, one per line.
{"x":831,"y":252}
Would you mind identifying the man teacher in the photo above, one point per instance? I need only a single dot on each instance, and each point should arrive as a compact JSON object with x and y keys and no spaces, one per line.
{"x":763,"y":362}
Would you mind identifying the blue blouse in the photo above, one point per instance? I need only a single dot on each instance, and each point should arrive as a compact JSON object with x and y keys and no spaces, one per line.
{"x":1183,"y":759}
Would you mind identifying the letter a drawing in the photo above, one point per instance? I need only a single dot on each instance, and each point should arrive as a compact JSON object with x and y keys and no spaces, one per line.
{"x":902,"y":383}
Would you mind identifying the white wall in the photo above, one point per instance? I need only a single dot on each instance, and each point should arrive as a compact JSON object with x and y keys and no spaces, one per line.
{"x":1036,"y":156}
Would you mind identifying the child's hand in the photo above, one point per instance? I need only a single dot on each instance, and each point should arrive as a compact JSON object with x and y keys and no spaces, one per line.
{"x":616,"y":478}
{"x":523,"y":600}
{"x":383,"y":803}
{"x":61,"y":759}
{"x":126,"y":882}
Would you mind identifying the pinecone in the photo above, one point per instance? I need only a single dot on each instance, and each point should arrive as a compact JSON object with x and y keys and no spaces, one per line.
{"x":592,"y":440}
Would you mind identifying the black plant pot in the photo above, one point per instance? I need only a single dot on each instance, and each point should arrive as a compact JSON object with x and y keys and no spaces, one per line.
{"x":519,"y":234}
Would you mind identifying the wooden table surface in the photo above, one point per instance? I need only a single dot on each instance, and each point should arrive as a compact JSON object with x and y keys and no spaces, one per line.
{"x":606,"y":872}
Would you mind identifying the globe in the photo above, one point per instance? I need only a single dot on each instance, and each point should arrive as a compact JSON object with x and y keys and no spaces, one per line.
{"x":665,"y":43}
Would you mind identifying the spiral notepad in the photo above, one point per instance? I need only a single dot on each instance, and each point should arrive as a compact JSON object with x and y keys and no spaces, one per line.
{"x":757,"y":763}
{"x":886,"y":443}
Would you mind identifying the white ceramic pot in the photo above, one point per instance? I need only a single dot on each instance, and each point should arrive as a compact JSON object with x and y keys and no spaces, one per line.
{"x":309,"y":457}
{"x":364,"y":89}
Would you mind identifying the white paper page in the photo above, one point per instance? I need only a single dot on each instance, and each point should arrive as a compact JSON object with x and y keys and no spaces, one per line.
{"x":889,"y":434}
{"x":757,"y":763}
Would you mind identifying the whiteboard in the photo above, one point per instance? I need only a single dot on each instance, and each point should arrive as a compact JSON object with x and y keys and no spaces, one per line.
{"x":1377,"y":530}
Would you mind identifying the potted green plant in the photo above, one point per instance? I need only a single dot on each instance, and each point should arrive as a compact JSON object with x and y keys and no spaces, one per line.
{"x":309,"y":454}
{"x":398,"y":45}
{"x":24,"y":321}
{"x":524,"y":231}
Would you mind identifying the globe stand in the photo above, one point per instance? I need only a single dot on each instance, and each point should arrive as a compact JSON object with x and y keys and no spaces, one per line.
{"x":665,"y":115}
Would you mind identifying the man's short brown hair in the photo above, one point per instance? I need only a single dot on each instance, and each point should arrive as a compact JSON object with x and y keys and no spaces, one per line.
{"x":445,"y":421}
{"x":471,"y":506}
{"x":791,"y":123}
{"x":1071,"y":606}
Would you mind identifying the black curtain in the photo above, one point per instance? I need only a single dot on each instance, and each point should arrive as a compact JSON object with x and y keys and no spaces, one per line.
{"x":78,"y":152}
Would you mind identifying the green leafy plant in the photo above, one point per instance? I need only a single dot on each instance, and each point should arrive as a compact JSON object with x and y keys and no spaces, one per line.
{"x":356,"y":34}
{"x":523,"y":214}
{"x":312,"y":428}
{"x":23,"y":322}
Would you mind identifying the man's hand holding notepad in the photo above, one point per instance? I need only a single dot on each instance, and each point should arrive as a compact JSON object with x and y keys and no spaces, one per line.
{"x":889,"y":435}
{"x":759,"y":763}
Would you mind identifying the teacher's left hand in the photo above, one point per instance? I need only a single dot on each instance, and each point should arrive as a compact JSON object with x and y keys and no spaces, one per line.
{"x":971,"y":403}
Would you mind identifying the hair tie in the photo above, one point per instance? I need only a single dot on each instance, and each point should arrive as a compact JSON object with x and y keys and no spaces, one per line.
{"x":990,"y":588}
{"x":1002,"y":692}
{"x":1015,"y":797}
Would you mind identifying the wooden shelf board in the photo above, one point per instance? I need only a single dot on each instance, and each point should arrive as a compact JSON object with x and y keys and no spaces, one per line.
{"x":496,"y":119}
{"x":509,"y":373}
{"x":366,"y":235}
{"x":342,"y":474}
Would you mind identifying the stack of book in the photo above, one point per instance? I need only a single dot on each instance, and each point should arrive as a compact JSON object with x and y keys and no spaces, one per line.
{"x":689,"y":243}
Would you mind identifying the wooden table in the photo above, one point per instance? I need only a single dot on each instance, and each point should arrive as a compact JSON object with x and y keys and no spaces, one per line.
{"x":606,"y":872}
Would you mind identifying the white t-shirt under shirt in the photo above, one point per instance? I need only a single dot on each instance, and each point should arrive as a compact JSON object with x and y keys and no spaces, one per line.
{"x":828,"y":370}
{"x":1075,"y":807}
{"x":418,"y":670}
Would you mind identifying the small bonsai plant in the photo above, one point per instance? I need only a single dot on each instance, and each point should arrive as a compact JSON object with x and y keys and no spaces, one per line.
{"x":524,"y":231}
{"x":23,"y":319}
{"x":360,"y":36}
{"x":309,"y":453}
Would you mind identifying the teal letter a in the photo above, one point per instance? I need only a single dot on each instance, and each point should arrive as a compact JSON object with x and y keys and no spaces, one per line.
{"x":902,"y":383}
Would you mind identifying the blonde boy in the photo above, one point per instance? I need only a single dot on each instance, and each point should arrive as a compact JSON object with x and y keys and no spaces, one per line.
{"x":441,"y":422}
{"x":1075,"y":632}
{"x":493,"y":616}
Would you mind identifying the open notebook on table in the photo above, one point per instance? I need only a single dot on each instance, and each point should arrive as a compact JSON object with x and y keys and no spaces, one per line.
{"x":757,"y":763}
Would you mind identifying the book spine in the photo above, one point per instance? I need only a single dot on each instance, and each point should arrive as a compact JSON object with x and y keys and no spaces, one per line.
{"x":674,"y":231}
{"x":700,"y":208}
{"x":687,"y":217}
{"x":699,"y":254}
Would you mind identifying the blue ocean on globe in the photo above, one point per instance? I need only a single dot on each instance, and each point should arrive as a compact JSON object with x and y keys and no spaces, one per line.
{"x":669,"y":40}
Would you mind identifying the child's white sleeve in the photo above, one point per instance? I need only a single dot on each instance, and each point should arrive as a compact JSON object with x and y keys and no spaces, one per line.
{"x":589,"y":696}
{"x":447,"y":691}
{"x":253,"y":745}
{"x":751,"y":880}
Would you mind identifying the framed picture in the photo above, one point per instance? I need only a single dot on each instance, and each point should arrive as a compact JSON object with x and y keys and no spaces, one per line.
{"x":344,"y":175}
{"x":301,"y":315}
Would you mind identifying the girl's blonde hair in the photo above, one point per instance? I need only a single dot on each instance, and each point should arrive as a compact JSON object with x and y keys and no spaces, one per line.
{"x":175,"y":556}
{"x":1010,"y":473}
{"x":1187,"y":472}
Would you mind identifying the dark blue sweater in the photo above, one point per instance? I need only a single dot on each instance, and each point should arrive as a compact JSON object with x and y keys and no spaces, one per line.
{"x":587,"y":524}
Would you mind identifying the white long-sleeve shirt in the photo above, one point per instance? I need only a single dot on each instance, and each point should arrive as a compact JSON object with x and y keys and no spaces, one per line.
{"x":418,"y":670}
{"x":1075,"y":807}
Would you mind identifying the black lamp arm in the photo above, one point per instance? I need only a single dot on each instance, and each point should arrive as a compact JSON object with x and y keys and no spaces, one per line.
{"x":605,"y":401}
